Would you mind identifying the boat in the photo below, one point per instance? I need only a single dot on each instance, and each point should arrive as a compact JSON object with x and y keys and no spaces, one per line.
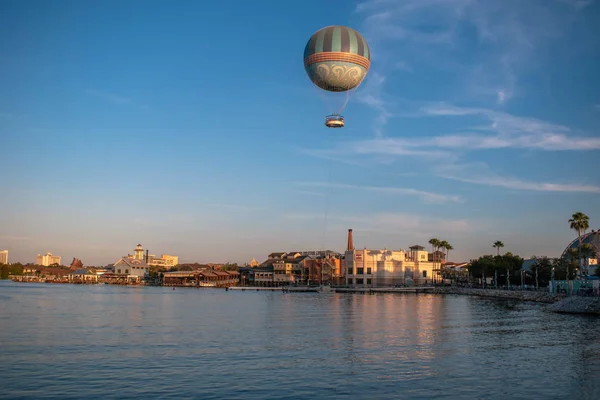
{"x":325,"y":289}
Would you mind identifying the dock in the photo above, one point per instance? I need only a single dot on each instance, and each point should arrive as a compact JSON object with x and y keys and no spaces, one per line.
{"x":315,"y":289}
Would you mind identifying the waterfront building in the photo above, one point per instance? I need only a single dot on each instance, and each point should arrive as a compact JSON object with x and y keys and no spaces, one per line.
{"x":290,"y":269}
{"x":4,"y":257}
{"x":296,"y":267}
{"x":47,"y":259}
{"x":131,"y":268}
{"x":378,"y":268}
{"x":165,"y":260}
{"x":82,"y":275}
{"x":589,"y":261}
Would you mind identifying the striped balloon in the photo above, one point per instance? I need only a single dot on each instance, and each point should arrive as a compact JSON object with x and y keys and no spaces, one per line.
{"x":337,"y":58}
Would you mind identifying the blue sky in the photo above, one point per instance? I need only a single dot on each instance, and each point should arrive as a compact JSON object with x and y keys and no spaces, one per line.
{"x":193,"y":129}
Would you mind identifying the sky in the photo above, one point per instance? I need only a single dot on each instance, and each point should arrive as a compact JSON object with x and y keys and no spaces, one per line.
{"x":192,"y":128}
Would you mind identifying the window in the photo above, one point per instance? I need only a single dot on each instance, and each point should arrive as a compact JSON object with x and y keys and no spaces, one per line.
{"x":369,"y":282}
{"x":360,"y":271}
{"x":359,"y":281}
{"x":424,"y":274}
{"x":350,"y":271}
{"x":118,"y":271}
{"x":350,"y":281}
{"x":369,"y":271}
{"x":126,"y":271}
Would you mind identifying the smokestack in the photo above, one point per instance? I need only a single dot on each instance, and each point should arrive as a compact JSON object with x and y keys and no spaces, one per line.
{"x":147,"y":256}
{"x":350,"y":241}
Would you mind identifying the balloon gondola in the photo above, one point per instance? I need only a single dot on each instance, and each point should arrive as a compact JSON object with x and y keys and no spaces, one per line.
{"x":334,"y":121}
{"x":337,"y":60}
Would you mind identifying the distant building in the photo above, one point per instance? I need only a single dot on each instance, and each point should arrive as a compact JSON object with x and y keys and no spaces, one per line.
{"x":373,"y":268}
{"x":165,"y":260}
{"x":47,"y":259}
{"x":254,"y":263}
{"x":138,"y":253}
{"x":589,"y":261}
{"x":4,"y":257}
{"x":132,"y":268}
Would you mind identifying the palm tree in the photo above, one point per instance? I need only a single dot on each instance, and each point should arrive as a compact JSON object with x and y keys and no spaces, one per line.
{"x":498,"y":244}
{"x":448,"y":248}
{"x":580,"y":223}
{"x":435,"y":244}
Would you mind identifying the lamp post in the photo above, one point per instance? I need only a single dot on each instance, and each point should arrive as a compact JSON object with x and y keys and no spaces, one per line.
{"x":522,"y":273}
{"x":552,"y":279}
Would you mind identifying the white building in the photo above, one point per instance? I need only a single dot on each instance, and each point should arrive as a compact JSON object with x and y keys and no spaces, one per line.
{"x":135,"y":269}
{"x":4,"y":257}
{"x":47,"y":259}
{"x":377,"y":268}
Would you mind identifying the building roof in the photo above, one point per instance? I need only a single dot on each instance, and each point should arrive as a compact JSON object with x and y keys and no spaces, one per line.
{"x":276,"y":255}
{"x":179,"y":274}
{"x":416,"y":247}
{"x":81,"y":271}
{"x":132,"y":262}
{"x":592,"y":238}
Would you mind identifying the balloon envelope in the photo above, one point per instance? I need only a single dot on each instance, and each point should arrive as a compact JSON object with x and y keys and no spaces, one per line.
{"x":337,"y":58}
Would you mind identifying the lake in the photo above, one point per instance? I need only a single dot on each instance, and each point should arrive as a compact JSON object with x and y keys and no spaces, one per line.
{"x":103,"y":341}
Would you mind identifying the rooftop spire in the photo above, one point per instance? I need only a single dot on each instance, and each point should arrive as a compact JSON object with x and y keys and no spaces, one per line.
{"x":350,"y":241}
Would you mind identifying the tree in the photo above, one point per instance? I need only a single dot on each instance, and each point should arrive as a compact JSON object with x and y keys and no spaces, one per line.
{"x":498,"y":244}
{"x":482,"y":267}
{"x":543,"y":271}
{"x":230,"y":267}
{"x":435,"y":244}
{"x":580,"y":223}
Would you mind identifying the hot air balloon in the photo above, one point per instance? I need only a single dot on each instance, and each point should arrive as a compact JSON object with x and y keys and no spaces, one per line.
{"x":337,"y":60}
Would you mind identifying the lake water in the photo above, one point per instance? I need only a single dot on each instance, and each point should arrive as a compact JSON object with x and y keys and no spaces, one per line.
{"x":102,"y":341}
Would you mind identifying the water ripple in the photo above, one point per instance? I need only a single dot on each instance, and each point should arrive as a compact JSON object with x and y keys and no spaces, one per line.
{"x":63,"y":341}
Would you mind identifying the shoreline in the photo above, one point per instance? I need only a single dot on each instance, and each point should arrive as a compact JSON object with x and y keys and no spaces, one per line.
{"x":521,"y":295}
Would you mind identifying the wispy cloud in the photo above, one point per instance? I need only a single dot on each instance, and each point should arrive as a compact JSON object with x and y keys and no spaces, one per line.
{"x":371,"y":96}
{"x":309,"y":193}
{"x":513,"y":183}
{"x":510,"y":132}
{"x":431,"y":33}
{"x":480,"y":174}
{"x":239,"y":207}
{"x":393,"y":223}
{"x":111,"y":97}
{"x":428,"y":197}
{"x":15,"y":238}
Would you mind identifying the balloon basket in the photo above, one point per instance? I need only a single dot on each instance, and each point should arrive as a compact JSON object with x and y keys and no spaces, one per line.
{"x":334,"y":121}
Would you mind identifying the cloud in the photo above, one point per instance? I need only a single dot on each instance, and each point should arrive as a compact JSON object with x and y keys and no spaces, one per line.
{"x":240,"y":207}
{"x":372,"y":97}
{"x":480,"y":174}
{"x":15,"y":238}
{"x":510,"y":132}
{"x":486,"y":44}
{"x":113,"y":98}
{"x":428,"y":197}
{"x":393,"y":223}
